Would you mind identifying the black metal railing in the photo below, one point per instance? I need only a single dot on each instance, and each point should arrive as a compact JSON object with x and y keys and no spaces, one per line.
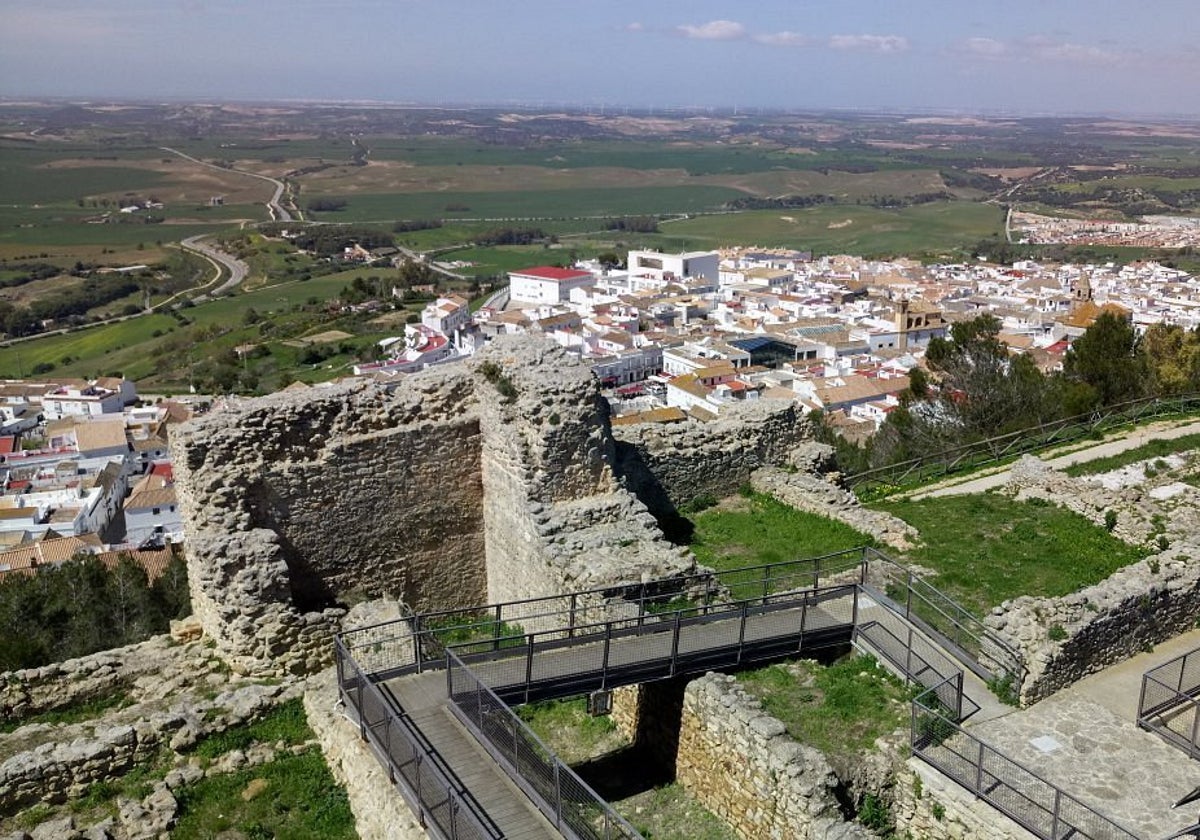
{"x":415,"y":643}
{"x":1029,"y":800}
{"x":894,"y":477}
{"x":439,"y":803}
{"x":536,"y":666}
{"x":1169,"y":705}
{"x":919,"y":662}
{"x":960,"y":631}
{"x":572,"y":807}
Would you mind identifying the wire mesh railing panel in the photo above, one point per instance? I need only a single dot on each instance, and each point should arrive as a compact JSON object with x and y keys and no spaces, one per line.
{"x":830,"y":608}
{"x":382,"y":647}
{"x":1039,"y":806}
{"x":1016,"y":791}
{"x":561,"y":795}
{"x":1170,"y":702}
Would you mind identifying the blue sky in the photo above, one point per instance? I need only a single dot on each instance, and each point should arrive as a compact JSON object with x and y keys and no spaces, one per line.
{"x":1050,"y":56}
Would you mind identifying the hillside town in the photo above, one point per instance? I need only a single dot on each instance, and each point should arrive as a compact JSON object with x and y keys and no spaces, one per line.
{"x":669,"y":337}
{"x":85,"y":470}
{"x":673,"y":336}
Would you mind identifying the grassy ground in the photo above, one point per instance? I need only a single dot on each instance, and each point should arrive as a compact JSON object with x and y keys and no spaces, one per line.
{"x":671,"y":813}
{"x":756,"y":529}
{"x":986,"y":548}
{"x":567,"y":729}
{"x":70,"y":714}
{"x":1153,"y":449}
{"x":848,"y":229}
{"x":293,"y":796}
{"x":839,"y":709}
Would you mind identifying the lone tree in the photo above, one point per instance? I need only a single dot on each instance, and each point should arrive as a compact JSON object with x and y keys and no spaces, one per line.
{"x":1106,"y":360}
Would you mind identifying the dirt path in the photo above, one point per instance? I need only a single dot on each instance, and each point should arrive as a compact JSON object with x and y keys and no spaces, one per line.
{"x":1164,"y":430}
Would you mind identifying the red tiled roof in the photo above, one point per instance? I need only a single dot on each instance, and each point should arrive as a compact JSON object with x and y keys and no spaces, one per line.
{"x":7,"y":444}
{"x":550,"y":272}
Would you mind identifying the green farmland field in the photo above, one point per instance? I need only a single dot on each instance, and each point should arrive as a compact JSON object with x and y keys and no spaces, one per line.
{"x":616,"y":201}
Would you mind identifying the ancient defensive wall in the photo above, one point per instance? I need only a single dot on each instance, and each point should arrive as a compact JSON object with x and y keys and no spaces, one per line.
{"x":495,"y":480}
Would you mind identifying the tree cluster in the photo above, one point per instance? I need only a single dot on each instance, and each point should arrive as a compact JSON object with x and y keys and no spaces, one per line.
{"x":326,"y":205}
{"x":783,"y":202}
{"x":19,"y":320}
{"x":327,"y":240}
{"x":635,"y":224}
{"x":81,"y":607}
{"x":411,"y":225}
{"x":976,"y":389}
{"x":510,"y":236}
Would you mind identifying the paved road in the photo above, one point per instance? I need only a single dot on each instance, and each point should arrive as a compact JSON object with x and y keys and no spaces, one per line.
{"x":1164,"y":430}
{"x":277,"y":211}
{"x":236,"y":268}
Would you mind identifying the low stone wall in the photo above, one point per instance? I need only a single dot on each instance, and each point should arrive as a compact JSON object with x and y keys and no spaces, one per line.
{"x":51,"y":764}
{"x":153,"y":669}
{"x":379,"y":809}
{"x":740,"y":764}
{"x":1065,"y":639}
{"x":930,"y":806}
{"x":814,"y":494}
{"x":669,"y":465}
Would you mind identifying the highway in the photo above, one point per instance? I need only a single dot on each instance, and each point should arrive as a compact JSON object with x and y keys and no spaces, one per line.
{"x":220,"y":260}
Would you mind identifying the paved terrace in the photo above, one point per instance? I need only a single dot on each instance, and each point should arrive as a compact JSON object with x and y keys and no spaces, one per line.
{"x":1085,"y":739}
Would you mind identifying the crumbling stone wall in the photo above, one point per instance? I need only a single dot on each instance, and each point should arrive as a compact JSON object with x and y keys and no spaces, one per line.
{"x":668,"y":466}
{"x":555,"y":518}
{"x":488,"y":481}
{"x":740,"y":764}
{"x":301,"y":500}
{"x":933,"y":807}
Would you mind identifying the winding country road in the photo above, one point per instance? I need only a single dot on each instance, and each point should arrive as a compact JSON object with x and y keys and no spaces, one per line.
{"x":277,"y":210}
{"x":236,"y":268}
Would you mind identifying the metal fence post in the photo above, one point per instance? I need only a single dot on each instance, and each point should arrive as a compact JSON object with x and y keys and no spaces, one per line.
{"x":1057,"y":803}
{"x":675,"y":642}
{"x":979,"y":772}
{"x":571,"y":621}
{"x":528,"y":665}
{"x":418,"y":643}
{"x":1195,"y":728}
{"x":742,"y":631}
{"x":557,"y":797}
{"x":607,"y":646}
{"x":496,"y":630}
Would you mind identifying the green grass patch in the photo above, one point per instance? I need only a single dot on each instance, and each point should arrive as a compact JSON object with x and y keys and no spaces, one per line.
{"x":941,"y":227}
{"x":839,"y":709}
{"x":286,"y":723}
{"x":75,"y":713}
{"x":986,"y":548}
{"x":755,"y":529}
{"x":293,"y":797}
{"x":505,"y":204}
{"x":566,"y":727}
{"x":1154,"y":449}
{"x":672,"y":813}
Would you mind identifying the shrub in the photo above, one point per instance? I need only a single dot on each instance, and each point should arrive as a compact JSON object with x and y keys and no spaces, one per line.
{"x":1056,"y":633}
{"x":1110,"y":520}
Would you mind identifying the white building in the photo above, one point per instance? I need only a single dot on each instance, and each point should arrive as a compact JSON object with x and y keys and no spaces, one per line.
{"x":662,"y":268}
{"x":446,"y":314}
{"x":546,"y":284}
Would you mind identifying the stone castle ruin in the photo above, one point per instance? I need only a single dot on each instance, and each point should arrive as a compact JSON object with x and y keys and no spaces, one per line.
{"x":493,"y":481}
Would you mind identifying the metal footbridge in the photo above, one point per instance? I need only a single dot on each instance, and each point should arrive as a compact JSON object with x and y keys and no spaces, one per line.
{"x":432,"y":693}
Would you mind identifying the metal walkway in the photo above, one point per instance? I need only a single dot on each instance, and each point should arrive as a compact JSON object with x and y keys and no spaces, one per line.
{"x":431,"y":693}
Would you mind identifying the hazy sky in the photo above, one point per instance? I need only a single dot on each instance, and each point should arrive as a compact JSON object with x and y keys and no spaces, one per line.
{"x":1019,"y":55}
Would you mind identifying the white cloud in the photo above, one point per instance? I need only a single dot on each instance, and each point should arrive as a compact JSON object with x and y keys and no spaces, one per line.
{"x":985,"y":47}
{"x":874,"y":43}
{"x":784,"y":39}
{"x":714,"y":30}
{"x":1047,"y":50}
{"x":636,"y":26}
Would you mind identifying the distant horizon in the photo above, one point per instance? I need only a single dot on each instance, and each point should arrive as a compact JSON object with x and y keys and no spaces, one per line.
{"x":1075,"y":57}
{"x":584,"y":107}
